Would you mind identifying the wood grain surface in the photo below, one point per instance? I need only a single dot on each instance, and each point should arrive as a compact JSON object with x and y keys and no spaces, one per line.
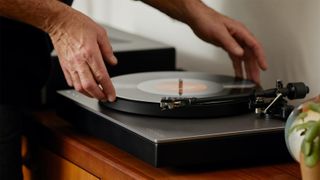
{"x":105,"y":161}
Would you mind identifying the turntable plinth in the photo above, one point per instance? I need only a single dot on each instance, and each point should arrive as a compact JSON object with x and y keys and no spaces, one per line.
{"x":60,"y":142}
{"x":241,"y":139}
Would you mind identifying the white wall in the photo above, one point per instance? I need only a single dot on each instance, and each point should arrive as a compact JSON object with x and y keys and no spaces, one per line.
{"x":288,"y":30}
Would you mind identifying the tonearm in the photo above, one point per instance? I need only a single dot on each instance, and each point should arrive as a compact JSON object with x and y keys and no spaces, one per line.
{"x":270,"y":103}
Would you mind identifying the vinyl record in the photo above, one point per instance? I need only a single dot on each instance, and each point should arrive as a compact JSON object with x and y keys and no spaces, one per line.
{"x":141,"y":93}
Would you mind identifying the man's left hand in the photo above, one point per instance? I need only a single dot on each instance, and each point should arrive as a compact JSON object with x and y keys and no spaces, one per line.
{"x":233,"y":37}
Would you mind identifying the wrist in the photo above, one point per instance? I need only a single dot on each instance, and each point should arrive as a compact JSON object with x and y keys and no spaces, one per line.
{"x":192,"y":12}
{"x":55,"y":17}
{"x":43,"y":14}
{"x":182,"y":10}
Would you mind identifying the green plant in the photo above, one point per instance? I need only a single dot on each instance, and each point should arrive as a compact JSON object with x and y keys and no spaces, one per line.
{"x":310,"y":146}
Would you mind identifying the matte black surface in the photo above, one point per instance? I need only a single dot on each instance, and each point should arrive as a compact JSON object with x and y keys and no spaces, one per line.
{"x":239,"y":106}
{"x":179,"y":142}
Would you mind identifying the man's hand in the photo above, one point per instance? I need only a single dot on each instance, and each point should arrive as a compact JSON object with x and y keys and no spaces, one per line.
{"x":221,"y":31}
{"x":82,"y":45}
{"x":233,"y":37}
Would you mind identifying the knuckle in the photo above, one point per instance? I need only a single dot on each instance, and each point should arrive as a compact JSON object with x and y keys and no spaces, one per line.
{"x":76,"y":59}
{"x":238,"y":23}
{"x":102,"y":31}
{"x":87,"y":85}
{"x":67,"y":65}
{"x":254,"y":45}
{"x":100,"y":77}
{"x":81,"y":71}
{"x":82,"y":55}
{"x":108,"y":50}
{"x":73,"y":71}
{"x":241,"y":24}
{"x":87,"y":52}
{"x":79,"y":88}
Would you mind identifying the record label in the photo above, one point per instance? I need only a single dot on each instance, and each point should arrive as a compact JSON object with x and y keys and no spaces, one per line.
{"x":179,"y":87}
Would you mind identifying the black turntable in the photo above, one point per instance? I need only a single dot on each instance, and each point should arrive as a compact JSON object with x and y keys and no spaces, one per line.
{"x":185,"y":118}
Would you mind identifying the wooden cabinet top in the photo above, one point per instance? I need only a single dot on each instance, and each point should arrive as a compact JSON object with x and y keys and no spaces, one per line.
{"x":105,"y":160}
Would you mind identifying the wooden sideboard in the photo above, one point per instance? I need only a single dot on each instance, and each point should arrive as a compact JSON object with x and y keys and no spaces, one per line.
{"x":58,"y":151}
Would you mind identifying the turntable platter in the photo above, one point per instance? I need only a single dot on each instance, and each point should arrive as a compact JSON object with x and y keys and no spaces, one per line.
{"x":141,"y":93}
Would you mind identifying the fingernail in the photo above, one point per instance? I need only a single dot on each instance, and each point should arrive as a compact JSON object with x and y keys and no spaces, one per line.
{"x":265,"y":67}
{"x":114,"y":60}
{"x":238,"y":51}
{"x":111,"y":98}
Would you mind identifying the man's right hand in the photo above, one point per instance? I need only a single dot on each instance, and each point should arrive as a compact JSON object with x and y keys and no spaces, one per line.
{"x":80,"y":43}
{"x":82,"y":46}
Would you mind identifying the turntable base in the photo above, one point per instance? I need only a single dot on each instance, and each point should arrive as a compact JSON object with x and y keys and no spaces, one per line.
{"x":174,"y":142}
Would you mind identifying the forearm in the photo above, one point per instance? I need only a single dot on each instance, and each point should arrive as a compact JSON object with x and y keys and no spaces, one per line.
{"x":182,"y":10}
{"x":40,"y":13}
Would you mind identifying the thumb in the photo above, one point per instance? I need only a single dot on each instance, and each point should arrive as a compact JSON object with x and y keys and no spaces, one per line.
{"x":106,"y":50}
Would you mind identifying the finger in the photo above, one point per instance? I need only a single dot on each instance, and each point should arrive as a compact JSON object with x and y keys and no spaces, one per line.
{"x":77,"y":84}
{"x":247,"y":68}
{"x":230,"y":44}
{"x":244,"y":35}
{"x":88,"y":83}
{"x":101,"y":75}
{"x":255,"y":73}
{"x":107,"y":87}
{"x":87,"y":94}
{"x":254,"y":68}
{"x":237,"y":66}
{"x":251,"y":66}
{"x":106,"y":49}
{"x":66,"y":74}
{"x":247,"y":65}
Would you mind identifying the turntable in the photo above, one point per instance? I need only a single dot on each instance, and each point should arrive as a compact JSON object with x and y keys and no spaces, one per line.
{"x":187,"y":118}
